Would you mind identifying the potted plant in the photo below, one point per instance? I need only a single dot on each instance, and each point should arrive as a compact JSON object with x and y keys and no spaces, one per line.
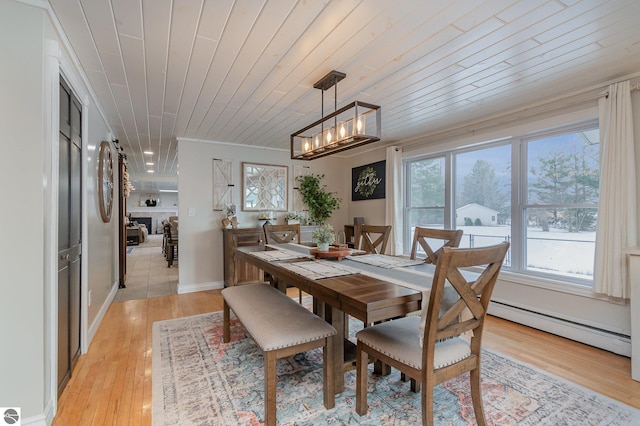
{"x":323,"y":236}
{"x":293,"y":217}
{"x":320,"y":202}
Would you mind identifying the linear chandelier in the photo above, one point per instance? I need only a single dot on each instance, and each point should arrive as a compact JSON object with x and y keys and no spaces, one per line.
{"x":353,"y":125}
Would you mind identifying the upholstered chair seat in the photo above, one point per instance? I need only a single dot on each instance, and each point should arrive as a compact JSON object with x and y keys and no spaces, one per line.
{"x":398,"y":339}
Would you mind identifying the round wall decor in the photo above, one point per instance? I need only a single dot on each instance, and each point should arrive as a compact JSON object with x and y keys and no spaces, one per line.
{"x":105,"y":181}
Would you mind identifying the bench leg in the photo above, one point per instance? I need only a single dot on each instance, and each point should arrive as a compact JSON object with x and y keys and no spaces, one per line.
{"x":270,"y":388}
{"x":226,"y":330}
{"x":328,"y":375}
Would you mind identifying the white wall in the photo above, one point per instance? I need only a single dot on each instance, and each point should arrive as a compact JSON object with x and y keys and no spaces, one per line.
{"x":200,"y":239}
{"x":22,"y":302}
{"x":373,"y":211}
{"x":33,"y":56}
{"x":101,"y":239}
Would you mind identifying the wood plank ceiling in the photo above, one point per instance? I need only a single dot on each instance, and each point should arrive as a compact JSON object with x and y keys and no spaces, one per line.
{"x":242,"y":71}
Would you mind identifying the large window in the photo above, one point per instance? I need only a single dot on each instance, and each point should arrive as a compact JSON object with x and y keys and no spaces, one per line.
{"x":540,"y":193}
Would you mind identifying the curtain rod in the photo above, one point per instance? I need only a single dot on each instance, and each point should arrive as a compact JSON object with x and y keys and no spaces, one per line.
{"x":632,"y":88}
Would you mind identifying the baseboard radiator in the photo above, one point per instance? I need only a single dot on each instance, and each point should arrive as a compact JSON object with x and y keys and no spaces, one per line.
{"x":592,"y":336}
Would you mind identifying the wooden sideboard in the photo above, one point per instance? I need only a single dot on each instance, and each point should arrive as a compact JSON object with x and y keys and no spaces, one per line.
{"x":241,"y":272}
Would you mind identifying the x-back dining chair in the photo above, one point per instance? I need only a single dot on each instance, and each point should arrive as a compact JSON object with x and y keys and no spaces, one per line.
{"x":447,"y":238}
{"x":439,"y":352}
{"x":282,"y":234}
{"x":450,"y":238}
{"x":372,"y":238}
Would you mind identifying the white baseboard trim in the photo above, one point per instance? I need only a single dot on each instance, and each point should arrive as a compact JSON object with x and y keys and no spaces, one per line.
{"x":93,"y":328}
{"x":49,"y":411}
{"x":43,"y":419}
{"x":598,"y":338}
{"x":192,"y":288}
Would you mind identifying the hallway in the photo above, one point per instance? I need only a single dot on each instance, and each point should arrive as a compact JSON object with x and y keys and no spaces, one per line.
{"x":147,"y":272}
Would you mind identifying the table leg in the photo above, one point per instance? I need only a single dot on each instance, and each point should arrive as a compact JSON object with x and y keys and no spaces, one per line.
{"x":318,"y":308}
{"x":335,"y":317}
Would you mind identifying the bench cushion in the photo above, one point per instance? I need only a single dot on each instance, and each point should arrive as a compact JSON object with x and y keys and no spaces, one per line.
{"x":273,"y":319}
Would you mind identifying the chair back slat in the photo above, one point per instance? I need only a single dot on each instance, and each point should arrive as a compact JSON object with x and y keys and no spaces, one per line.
{"x":372,"y":238}
{"x":281,"y":234}
{"x":450,"y":238}
{"x":456,"y":329}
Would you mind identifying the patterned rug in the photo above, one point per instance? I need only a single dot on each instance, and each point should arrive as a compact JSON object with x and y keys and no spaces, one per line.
{"x":198,"y":380}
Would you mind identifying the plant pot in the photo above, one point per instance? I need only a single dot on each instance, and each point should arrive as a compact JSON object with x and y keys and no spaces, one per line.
{"x":323,"y":246}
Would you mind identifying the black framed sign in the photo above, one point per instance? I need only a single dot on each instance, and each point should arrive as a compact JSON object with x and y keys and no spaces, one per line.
{"x":368,"y":181}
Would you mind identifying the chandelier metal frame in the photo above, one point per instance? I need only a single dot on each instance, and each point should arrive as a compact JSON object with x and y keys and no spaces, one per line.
{"x":343,"y":129}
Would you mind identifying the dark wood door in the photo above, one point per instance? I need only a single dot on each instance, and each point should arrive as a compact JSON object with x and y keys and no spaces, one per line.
{"x":69,"y":233}
{"x":122,"y":213}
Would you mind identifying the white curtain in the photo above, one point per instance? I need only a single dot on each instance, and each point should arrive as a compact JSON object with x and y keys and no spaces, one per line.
{"x":393,"y":202}
{"x":616,"y":229}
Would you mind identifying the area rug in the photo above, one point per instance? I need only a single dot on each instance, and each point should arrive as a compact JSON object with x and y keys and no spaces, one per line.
{"x":199,"y":380}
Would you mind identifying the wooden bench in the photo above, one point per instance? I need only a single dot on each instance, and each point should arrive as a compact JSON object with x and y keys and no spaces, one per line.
{"x":281,"y":327}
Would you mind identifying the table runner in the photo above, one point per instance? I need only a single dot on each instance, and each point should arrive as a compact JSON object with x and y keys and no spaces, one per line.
{"x":418,"y":277}
{"x":279,"y":254}
{"x":384,"y":261}
{"x":319,"y":269}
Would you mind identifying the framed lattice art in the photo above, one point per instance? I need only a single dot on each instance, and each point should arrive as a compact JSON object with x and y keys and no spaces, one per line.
{"x":264,"y":187}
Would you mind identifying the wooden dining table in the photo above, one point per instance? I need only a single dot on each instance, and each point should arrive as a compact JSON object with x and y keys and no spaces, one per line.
{"x":369,"y":293}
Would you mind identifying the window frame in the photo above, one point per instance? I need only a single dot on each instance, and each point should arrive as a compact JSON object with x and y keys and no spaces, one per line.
{"x":519,"y":198}
{"x":524,"y":204}
{"x":407,"y":239}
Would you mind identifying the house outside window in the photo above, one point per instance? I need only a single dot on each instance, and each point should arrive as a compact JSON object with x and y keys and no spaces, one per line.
{"x":538,"y":192}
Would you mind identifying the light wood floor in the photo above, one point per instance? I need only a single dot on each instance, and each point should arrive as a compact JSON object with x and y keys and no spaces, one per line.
{"x":111,"y":384}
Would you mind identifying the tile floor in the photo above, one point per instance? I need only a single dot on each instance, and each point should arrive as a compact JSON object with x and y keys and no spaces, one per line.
{"x":147,"y":272}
